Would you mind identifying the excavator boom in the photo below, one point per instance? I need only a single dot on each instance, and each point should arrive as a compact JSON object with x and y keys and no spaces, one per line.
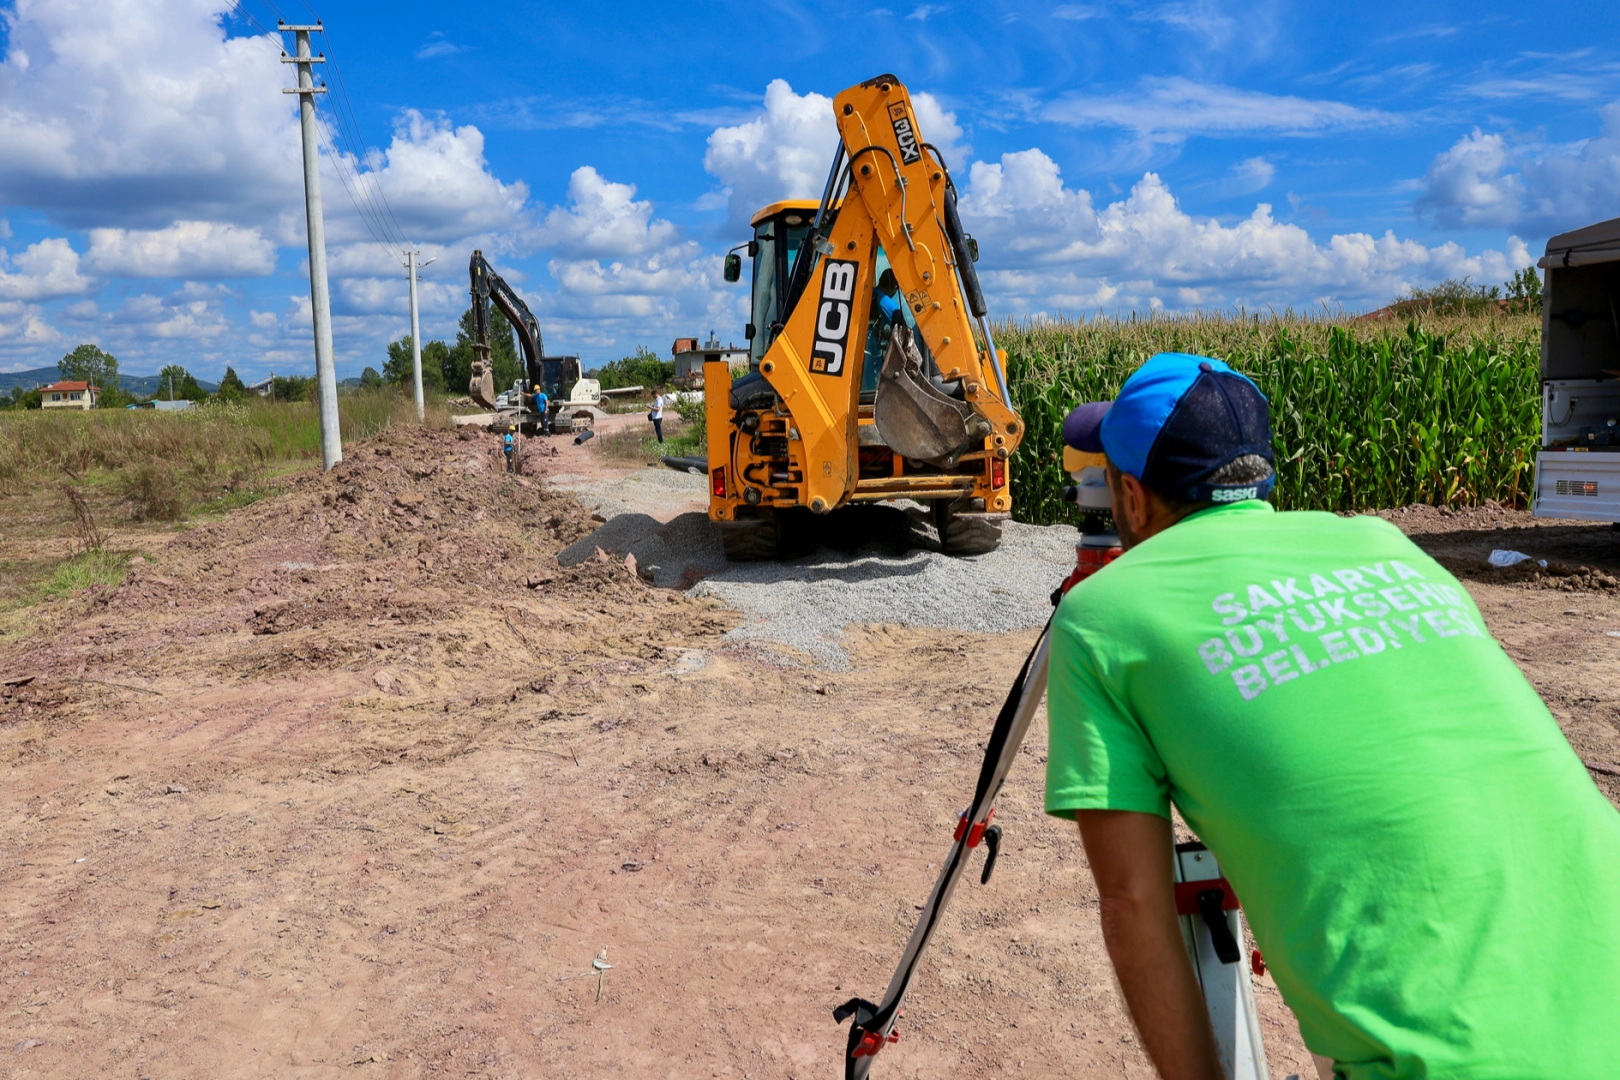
{"x":488,"y":287}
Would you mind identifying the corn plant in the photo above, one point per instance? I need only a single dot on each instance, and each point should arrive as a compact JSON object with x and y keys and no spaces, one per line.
{"x":1443,"y":410}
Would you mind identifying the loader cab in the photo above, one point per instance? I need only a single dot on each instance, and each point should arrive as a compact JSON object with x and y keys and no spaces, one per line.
{"x":779,"y":233}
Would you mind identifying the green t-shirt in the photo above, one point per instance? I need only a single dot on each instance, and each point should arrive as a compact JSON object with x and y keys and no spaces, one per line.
{"x":1431,"y":874}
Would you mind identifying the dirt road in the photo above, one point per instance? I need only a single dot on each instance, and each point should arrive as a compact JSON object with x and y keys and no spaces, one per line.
{"x":358,"y":782}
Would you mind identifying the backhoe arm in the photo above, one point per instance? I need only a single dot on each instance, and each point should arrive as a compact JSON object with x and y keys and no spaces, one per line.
{"x":488,"y":287}
{"x":899,"y":197}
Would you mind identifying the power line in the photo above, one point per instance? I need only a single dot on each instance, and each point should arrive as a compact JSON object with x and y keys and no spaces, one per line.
{"x":340,"y":166}
{"x":343,"y":93}
{"x":397,"y":235}
{"x":385,"y":231}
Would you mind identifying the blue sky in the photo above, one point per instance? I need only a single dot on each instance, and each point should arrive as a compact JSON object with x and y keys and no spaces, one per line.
{"x":1112,"y":157}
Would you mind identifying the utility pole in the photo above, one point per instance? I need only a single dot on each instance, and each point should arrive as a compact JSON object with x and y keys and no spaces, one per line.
{"x":416,"y":335}
{"x":416,"y":331}
{"x":320,"y":300}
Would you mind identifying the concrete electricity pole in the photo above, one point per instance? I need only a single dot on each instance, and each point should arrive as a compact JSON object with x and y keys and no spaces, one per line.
{"x":320,"y":302}
{"x":416,"y":331}
{"x":416,"y":334}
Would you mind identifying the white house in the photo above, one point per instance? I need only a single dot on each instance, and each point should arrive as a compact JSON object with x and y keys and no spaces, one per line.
{"x":69,"y":395}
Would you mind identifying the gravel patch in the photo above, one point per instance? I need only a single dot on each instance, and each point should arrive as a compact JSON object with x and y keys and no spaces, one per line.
{"x":805,"y":604}
{"x":886,"y":568}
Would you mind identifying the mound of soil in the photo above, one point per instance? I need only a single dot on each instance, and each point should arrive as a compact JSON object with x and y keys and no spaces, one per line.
{"x":1581,"y":556}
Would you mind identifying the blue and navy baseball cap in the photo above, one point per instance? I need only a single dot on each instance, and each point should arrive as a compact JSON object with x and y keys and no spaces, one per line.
{"x":1177,"y":421}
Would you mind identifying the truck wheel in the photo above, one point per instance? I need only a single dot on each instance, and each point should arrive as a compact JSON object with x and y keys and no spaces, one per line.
{"x":756,"y":537}
{"x":964,"y":535}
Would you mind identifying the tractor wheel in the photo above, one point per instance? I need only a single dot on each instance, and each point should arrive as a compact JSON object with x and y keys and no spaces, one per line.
{"x":964,"y":535}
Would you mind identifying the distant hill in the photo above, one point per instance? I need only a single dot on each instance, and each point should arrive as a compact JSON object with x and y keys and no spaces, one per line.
{"x":143,"y":385}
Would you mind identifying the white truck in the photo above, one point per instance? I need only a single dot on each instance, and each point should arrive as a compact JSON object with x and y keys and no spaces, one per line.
{"x":1578,"y":469}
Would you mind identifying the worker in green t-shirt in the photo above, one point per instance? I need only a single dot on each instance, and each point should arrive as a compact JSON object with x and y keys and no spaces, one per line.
{"x":1431,"y":874}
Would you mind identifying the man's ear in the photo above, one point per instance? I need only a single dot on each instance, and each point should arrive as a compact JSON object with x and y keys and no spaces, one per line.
{"x":1132,"y":506}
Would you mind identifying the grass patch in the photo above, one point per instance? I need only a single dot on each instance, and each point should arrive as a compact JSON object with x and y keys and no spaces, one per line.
{"x":235,"y":500}
{"x":628,"y":446}
{"x":639,"y":446}
{"x":84,"y":571}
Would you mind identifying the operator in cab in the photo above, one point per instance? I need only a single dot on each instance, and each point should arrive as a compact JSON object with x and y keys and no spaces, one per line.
{"x":1430,"y":872}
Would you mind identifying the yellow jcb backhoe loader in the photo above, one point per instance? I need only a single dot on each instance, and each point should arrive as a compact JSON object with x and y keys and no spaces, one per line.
{"x":866,"y":382}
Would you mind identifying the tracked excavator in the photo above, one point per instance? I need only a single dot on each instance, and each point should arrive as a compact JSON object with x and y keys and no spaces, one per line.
{"x":873,"y":373}
{"x":557,"y":375}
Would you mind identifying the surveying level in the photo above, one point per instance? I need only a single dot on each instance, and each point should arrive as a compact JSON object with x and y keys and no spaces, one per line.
{"x":1212,"y":926}
{"x":1210,"y":921}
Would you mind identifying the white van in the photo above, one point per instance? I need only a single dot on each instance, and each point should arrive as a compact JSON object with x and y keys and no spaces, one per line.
{"x":1578,"y":469}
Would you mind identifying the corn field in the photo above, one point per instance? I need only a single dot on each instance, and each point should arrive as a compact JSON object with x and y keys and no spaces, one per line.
{"x":1444,"y":411}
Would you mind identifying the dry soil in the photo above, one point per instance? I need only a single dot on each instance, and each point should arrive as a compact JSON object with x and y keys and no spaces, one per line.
{"x":358,"y":781}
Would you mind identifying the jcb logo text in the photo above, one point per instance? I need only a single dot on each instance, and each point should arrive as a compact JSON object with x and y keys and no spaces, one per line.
{"x":832,"y":317}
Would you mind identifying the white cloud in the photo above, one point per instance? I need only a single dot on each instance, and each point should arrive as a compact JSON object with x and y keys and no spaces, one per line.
{"x":437,"y":45}
{"x":785,"y":151}
{"x":1047,"y":247}
{"x":1251,"y":175}
{"x":390,"y":296}
{"x":1076,"y":12}
{"x":186,"y":249}
{"x":620,"y":270}
{"x":1169,"y":110}
{"x":437,"y":184}
{"x":139,"y":112}
{"x":152,"y":316}
{"x":1487,"y":181}
{"x":262,"y":320}
{"x":603,"y":219}
{"x":1200,"y":18}
{"x":940,"y":128}
{"x":924,"y":12}
{"x":25,"y":326}
{"x":44,"y":270}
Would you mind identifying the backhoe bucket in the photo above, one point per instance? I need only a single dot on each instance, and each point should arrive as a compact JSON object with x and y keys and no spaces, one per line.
{"x":482,"y":386}
{"x":915,"y":418}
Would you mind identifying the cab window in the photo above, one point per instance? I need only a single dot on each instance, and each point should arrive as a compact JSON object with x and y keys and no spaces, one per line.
{"x":779,"y":240}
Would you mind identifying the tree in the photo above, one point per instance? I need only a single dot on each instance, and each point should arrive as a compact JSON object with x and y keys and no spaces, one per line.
{"x":89,"y":364}
{"x":1524,"y":290}
{"x":503,"y":353}
{"x":645,"y":368}
{"x":293,"y":388}
{"x":397,"y":368}
{"x":1454,"y":296}
{"x":397,"y":371}
{"x":231,"y":386}
{"x":435,"y":354}
{"x":26,"y":399}
{"x":176,"y":382}
{"x":369,"y":379}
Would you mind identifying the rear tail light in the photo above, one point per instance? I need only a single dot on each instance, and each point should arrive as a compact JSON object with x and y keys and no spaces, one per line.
{"x":998,"y":473}
{"x":717,"y":482}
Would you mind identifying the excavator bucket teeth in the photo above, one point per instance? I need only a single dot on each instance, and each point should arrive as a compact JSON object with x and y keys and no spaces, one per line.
{"x":914,"y":417}
{"x":482,"y":386}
